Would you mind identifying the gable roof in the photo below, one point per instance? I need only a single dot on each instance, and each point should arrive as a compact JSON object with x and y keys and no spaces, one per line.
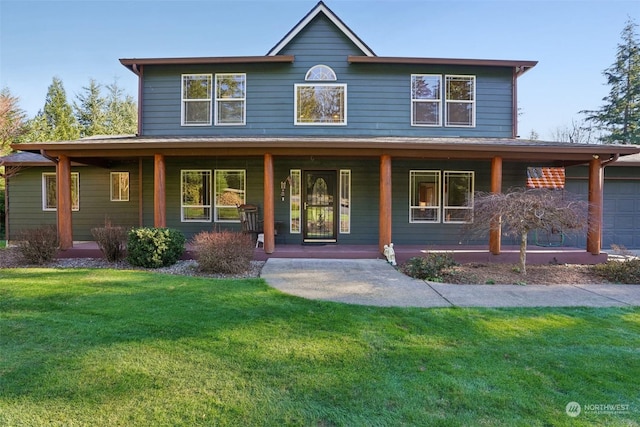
{"x":321,"y":8}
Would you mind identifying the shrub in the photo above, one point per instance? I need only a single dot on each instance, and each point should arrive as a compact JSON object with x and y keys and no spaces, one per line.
{"x":429,"y":267}
{"x":111,"y":241}
{"x":154,"y":247}
{"x":223,"y":252}
{"x":38,"y":245}
{"x":627,"y":271}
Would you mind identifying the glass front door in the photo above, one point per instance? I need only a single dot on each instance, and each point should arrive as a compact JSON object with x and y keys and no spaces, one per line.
{"x":319,"y":208}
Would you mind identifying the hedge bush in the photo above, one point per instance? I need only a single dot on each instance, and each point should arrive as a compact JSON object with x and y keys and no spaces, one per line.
{"x":627,"y":271}
{"x":429,"y":267}
{"x":38,"y":245}
{"x":111,"y":240}
{"x":223,"y":252}
{"x":154,"y":247}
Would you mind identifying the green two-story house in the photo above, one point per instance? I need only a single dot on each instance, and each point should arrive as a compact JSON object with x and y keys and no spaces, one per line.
{"x":333,"y":143}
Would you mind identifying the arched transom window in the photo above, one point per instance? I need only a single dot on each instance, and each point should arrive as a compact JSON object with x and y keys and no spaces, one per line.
{"x":320,"y":72}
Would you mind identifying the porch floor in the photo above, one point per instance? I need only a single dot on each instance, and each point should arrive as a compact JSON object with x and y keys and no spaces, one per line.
{"x":462,"y":254}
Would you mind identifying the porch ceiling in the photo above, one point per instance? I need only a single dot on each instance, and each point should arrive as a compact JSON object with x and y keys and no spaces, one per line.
{"x":399,"y":147}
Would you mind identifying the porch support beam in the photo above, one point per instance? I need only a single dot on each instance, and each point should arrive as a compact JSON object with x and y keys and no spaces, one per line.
{"x":63,"y":184}
{"x":596,"y":183}
{"x":268,"y":214}
{"x":384,"y":233}
{"x":495,"y":233}
{"x":159,"y":192}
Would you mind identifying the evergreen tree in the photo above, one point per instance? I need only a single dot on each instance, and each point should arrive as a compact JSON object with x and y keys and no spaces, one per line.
{"x":12,"y":120}
{"x":37,"y":129}
{"x":90,"y":110}
{"x":620,"y":116}
{"x":121,"y":112}
{"x":59,"y":114}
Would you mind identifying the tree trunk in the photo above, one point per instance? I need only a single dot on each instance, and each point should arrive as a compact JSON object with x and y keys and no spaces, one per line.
{"x":523,"y":253}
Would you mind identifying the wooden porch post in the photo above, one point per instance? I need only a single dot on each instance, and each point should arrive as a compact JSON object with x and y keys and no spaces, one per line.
{"x":159,"y":192}
{"x":63,"y":184}
{"x":495,"y":234}
{"x":268,"y":214}
{"x":594,"y":233}
{"x":384,"y":233}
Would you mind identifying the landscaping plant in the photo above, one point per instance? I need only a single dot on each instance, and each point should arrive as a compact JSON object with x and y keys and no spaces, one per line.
{"x":223,"y":251}
{"x":154,"y":247}
{"x":111,"y":240}
{"x":428,"y":267}
{"x":38,"y":245}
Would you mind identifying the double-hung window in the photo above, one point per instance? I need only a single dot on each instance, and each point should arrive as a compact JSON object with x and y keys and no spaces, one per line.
{"x":426,"y":100}
{"x":230,"y":187}
{"x":230,"y":99}
{"x":195,"y":196}
{"x":424,"y":200}
{"x":196,"y":99}
{"x":458,"y":196}
{"x":50,"y":191}
{"x":119,"y":186}
{"x":320,"y":103}
{"x":440,"y":196}
{"x":460,"y":101}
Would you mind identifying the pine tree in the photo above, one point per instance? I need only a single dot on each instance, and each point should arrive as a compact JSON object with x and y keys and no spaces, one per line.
{"x":59,"y":114}
{"x":90,"y":110}
{"x":620,"y":116}
{"x":121,"y":112}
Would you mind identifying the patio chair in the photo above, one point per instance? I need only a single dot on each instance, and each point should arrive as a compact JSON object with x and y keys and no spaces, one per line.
{"x":250,"y":222}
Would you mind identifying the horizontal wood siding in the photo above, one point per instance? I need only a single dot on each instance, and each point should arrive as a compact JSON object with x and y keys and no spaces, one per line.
{"x":378,"y":95}
{"x":25,"y":201}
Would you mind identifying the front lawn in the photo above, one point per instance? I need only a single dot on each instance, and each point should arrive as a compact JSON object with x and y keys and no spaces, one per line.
{"x":129,"y":348}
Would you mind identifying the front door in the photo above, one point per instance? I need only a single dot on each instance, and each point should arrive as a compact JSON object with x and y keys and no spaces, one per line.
{"x":319,"y":208}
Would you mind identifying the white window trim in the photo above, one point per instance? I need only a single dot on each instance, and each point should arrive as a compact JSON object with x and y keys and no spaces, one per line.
{"x":183,"y":206}
{"x":345,"y":179}
{"x":183,"y":100}
{"x":472,"y":102}
{"x":445,"y":207}
{"x":432,"y":101}
{"x":295,"y":104}
{"x":215,"y":194}
{"x":218,"y":100}
{"x":116,"y":198}
{"x":44,"y":191}
{"x":437,"y":208}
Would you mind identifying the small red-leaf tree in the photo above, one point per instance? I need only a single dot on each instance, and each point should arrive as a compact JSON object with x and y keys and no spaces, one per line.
{"x":520,"y":211}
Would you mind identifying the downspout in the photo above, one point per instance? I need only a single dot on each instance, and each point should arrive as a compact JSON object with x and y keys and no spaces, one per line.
{"x":611,"y":159}
{"x":514,"y":112}
{"x":139,"y":71}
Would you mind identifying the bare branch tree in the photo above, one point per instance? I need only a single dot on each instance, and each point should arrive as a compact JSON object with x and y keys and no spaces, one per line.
{"x":520,"y":211}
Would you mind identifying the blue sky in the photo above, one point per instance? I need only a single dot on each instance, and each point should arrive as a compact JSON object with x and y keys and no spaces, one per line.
{"x":574,"y":41}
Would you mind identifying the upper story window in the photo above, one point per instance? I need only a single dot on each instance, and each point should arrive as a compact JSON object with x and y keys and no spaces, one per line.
{"x":460,"y":98}
{"x":230,"y":99}
{"x":196,"y":99}
{"x":320,"y":72}
{"x":320,"y":103}
{"x":426,"y":100}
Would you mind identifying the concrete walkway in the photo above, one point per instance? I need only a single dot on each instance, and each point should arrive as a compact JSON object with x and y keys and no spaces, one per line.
{"x":374,"y":282}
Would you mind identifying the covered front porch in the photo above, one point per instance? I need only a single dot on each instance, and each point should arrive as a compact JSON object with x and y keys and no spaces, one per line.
{"x":462,"y":254}
{"x":384,"y":151}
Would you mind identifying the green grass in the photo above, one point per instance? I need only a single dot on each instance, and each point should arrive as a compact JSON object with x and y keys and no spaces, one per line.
{"x":120,"y":348}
